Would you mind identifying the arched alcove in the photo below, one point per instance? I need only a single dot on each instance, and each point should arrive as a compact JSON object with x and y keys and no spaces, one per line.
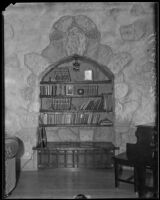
{"x":105,"y":72}
{"x":76,"y":105}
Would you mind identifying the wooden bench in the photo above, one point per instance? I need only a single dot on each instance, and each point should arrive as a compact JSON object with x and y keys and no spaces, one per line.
{"x":76,"y":155}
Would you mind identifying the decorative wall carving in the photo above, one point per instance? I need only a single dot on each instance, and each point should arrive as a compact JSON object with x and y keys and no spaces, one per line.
{"x":63,"y":24}
{"x":35,"y":63}
{"x":87,"y":25}
{"x":104,"y":54}
{"x":27,"y":93}
{"x":121,"y":90}
{"x":75,"y":42}
{"x":71,"y":35}
{"x":134,"y":31}
{"x":31,"y":80}
{"x":137,"y":10}
{"x":9,"y":32}
{"x":150,"y":50}
{"x":12,"y":61}
{"x":119,"y":61}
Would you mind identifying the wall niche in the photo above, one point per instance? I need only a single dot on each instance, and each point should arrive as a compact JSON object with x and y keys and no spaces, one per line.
{"x":76,"y":99}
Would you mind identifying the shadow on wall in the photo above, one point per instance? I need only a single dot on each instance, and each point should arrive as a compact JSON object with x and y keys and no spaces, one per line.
{"x":18,"y":158}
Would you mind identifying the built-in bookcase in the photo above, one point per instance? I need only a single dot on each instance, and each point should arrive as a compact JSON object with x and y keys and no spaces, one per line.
{"x":75,"y":92}
{"x":75,"y":104}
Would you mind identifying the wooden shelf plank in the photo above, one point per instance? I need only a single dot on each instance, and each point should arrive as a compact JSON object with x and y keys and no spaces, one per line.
{"x":75,"y":125}
{"x":74,"y":96}
{"x":78,"y":82}
{"x":75,"y":111}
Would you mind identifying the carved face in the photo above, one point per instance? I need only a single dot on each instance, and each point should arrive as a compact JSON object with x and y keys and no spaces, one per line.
{"x":75,"y":42}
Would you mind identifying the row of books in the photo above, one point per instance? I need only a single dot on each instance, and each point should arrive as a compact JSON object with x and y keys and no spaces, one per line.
{"x":60,"y":74}
{"x":48,"y":90}
{"x":69,"y":89}
{"x":55,"y":103}
{"x":98,"y":104}
{"x":61,"y":104}
{"x":70,"y":118}
{"x":92,"y":104}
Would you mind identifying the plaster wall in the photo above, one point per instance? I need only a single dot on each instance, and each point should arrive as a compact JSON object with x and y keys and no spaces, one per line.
{"x":119,"y":35}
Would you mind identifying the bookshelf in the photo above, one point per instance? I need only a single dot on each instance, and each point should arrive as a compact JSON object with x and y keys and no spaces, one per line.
{"x":75,"y":97}
{"x":75,"y":104}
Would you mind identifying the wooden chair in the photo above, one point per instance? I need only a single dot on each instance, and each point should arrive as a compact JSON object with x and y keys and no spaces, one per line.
{"x":122,"y":160}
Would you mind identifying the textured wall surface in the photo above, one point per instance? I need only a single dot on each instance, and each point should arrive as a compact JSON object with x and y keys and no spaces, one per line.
{"x":119,"y":35}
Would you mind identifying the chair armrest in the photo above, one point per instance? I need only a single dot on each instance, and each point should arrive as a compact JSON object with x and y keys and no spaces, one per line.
{"x":11,"y":147}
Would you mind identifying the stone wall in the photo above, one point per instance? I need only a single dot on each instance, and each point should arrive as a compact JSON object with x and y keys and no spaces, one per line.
{"x":119,"y":35}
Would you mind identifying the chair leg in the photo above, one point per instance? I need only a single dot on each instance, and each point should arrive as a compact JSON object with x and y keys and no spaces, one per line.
{"x":135,"y":180}
{"x":140,"y":177}
{"x":116,"y":174}
{"x":155,"y":179}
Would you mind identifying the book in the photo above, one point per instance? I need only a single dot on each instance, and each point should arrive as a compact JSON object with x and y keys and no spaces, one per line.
{"x":68,"y":118}
{"x":94,"y":104}
{"x":108,"y":102}
{"x":54,"y":89}
{"x":89,"y":118}
{"x":45,"y":118}
{"x":99,"y":105}
{"x":69,"y":90}
{"x":90,"y":104}
{"x":85,"y":105}
{"x":43,"y":137}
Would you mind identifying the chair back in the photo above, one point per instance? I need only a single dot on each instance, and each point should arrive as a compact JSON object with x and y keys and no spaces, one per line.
{"x":139,"y":153}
